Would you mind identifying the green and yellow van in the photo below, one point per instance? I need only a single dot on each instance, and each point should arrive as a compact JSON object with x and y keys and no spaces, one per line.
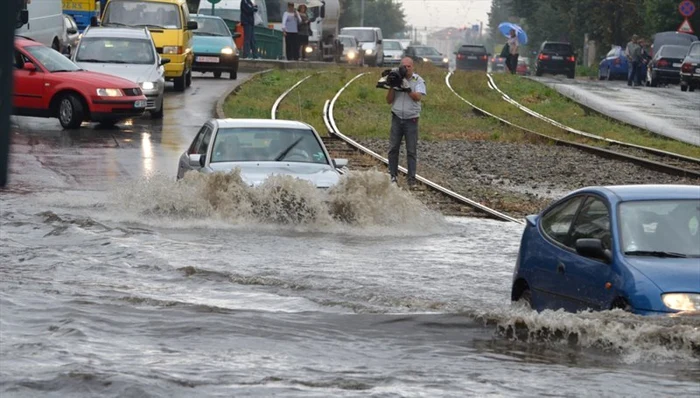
{"x":170,"y":26}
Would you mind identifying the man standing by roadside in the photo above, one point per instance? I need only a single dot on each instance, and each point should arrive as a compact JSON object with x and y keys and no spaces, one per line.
{"x":405,"y":112}
{"x":633,"y":52}
{"x":248,"y":10}
{"x":514,"y":52}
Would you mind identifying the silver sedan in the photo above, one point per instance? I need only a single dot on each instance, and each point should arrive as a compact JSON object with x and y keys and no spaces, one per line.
{"x":261,"y":148}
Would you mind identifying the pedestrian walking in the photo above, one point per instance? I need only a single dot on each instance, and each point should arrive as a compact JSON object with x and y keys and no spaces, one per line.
{"x":405,"y":113}
{"x":290,"y":29}
{"x":248,"y":10}
{"x":304,"y":30}
{"x":633,"y":52}
{"x":513,"y":52}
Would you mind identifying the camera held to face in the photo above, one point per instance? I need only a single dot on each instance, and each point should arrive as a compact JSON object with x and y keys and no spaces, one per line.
{"x":394,"y":79}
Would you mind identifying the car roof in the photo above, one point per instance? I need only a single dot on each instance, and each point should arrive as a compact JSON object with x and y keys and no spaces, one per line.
{"x":26,"y":41}
{"x":261,"y":123}
{"x":647,"y":191}
{"x":348,"y":36}
{"x":360,"y":28}
{"x":119,"y":32}
{"x":205,"y":16}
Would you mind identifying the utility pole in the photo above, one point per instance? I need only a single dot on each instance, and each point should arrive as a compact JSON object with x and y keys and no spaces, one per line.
{"x":362,"y":13}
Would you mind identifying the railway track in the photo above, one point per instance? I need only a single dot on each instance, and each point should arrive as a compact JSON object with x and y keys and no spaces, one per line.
{"x":360,"y":158}
{"x":650,"y":158}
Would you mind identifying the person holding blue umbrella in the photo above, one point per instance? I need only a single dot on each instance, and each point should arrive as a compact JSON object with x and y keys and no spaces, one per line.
{"x":516,"y":35}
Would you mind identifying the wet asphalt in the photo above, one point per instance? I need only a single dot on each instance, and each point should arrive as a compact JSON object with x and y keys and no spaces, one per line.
{"x":664,"y":110}
{"x":43,"y":155}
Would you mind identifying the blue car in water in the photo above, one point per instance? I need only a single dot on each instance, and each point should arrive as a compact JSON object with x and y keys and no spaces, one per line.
{"x":214,"y":47}
{"x":634,"y":247}
{"x":614,"y":65}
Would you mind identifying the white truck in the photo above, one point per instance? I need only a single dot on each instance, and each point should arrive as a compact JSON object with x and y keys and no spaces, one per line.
{"x":45,"y":22}
{"x":325,"y":18}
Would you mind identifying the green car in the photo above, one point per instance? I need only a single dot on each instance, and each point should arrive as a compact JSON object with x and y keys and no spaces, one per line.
{"x":213,"y":47}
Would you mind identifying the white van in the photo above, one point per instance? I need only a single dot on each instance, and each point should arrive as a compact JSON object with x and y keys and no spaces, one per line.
{"x":231,"y":10}
{"x":45,"y":23}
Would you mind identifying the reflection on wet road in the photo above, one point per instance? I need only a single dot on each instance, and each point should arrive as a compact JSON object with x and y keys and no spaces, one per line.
{"x":663,"y":110}
{"x":116,"y":285}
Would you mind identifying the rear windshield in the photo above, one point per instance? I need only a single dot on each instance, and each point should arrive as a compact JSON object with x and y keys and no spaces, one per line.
{"x":143,"y":13}
{"x":558,"y":48}
{"x":392,"y":45}
{"x":695,"y":50}
{"x":362,"y":35}
{"x":473,"y":49}
{"x":674,"y":51}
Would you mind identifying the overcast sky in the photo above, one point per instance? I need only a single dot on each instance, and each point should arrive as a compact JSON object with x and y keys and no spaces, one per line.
{"x":446,"y":13}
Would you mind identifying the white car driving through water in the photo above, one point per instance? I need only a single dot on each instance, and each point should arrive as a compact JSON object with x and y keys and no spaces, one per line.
{"x":261,"y":148}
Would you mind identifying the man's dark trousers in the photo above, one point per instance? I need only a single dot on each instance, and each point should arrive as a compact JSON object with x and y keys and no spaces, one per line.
{"x":249,"y":49}
{"x":403,"y":128}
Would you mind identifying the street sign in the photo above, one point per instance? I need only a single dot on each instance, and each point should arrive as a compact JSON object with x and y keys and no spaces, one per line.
{"x":686,"y":27}
{"x":686,"y":8}
{"x":214,"y":1}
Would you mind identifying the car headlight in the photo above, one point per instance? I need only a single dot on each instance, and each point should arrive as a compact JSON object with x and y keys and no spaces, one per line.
{"x":171,"y":50}
{"x":227,"y":51}
{"x":368,"y":51}
{"x":308,"y":49}
{"x":426,"y":60}
{"x":109,"y":92}
{"x":445,"y":60}
{"x":148,"y":86}
{"x":682,"y":301}
{"x":351,"y":55}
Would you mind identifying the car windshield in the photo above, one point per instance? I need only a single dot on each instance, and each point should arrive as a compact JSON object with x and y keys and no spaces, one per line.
{"x":363,"y":35}
{"x":51,"y":59}
{"x":115,"y":51}
{"x":674,"y":51}
{"x":557,"y":48}
{"x":267,"y":144}
{"x":211,"y":27}
{"x":695,"y":50}
{"x":143,"y":13}
{"x":392,"y":45}
{"x":660,"y":228}
{"x":347,"y":42}
{"x":472,"y":49}
{"x":426,"y":51}
{"x":225,"y":13}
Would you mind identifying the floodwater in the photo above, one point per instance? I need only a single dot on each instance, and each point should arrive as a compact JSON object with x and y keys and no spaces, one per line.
{"x":118,"y":281}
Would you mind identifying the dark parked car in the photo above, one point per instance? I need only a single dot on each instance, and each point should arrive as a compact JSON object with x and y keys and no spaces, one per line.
{"x":690,"y":68}
{"x":426,"y":54}
{"x":556,"y":58}
{"x":665,"y":66}
{"x":613,"y":65}
{"x":472,"y":57}
{"x":672,"y":37}
{"x":498,"y":64}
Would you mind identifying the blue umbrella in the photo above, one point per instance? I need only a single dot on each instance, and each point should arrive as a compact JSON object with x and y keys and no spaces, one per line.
{"x":505,"y":28}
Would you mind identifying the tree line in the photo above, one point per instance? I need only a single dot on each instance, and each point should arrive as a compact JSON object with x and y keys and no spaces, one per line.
{"x":608,"y":22}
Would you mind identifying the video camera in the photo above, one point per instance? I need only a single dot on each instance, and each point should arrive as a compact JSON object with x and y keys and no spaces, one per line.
{"x":393,"y":79}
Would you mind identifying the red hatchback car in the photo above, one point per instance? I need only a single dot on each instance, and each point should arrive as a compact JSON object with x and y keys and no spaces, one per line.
{"x":47,"y":84}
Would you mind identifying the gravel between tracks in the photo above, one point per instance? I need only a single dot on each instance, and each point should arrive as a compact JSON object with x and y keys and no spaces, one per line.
{"x":520,"y":179}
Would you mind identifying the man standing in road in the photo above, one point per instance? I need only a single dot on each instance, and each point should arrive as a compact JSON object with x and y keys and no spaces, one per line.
{"x":248,"y":10}
{"x":514,"y":52}
{"x":405,"y":112}
{"x":633,"y":52}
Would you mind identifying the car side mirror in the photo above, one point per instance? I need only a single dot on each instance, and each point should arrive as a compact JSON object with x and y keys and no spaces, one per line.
{"x":192,"y":25}
{"x":164,"y":61}
{"x":196,"y":160}
{"x":28,"y":66}
{"x":72,"y":31}
{"x":379,"y":41}
{"x":94,"y":21}
{"x":592,"y":248}
{"x":236,"y":35}
{"x":340,"y":163}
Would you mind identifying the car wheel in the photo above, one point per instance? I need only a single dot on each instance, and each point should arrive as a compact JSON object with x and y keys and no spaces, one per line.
{"x":180,"y":82}
{"x":608,"y":76}
{"x":652,"y":81}
{"x":158,"y":114}
{"x":600,"y":75}
{"x":691,"y":88}
{"x":233,"y":75}
{"x":538,"y":73}
{"x":108,"y":123}
{"x":684,"y":87}
{"x":188,"y":78}
{"x":71,"y":111}
{"x":217,"y":74}
{"x":621,"y":304}
{"x":56,"y":45}
{"x":525,"y":299}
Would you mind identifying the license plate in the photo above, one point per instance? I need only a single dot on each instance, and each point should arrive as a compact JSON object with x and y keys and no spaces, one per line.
{"x":557,"y":57}
{"x":140,"y":104}
{"x":471,"y":57}
{"x":676,"y":65}
{"x":211,"y":60}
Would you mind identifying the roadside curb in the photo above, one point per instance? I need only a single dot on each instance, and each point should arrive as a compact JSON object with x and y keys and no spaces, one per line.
{"x":219,"y":109}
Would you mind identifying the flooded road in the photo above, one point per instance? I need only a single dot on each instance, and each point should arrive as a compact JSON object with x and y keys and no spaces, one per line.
{"x":118,"y":281}
{"x":664,"y":110}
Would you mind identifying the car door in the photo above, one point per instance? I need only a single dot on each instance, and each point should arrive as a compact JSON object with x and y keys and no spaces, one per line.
{"x":194,"y":148}
{"x":29,"y":89}
{"x":550,"y":252}
{"x":586,"y":278}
